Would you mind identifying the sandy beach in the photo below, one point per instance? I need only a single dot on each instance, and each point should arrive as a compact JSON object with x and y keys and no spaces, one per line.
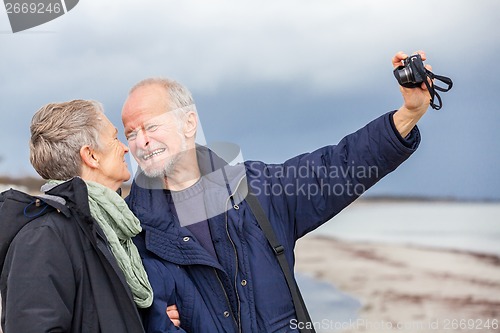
{"x":406,"y":288}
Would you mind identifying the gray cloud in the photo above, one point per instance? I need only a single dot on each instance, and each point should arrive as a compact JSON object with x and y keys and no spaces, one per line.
{"x":299,"y":74}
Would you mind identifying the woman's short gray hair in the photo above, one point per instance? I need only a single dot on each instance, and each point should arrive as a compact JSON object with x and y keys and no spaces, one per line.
{"x":58,"y":132}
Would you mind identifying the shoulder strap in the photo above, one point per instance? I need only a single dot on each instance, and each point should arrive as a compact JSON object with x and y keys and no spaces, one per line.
{"x":298,"y":302}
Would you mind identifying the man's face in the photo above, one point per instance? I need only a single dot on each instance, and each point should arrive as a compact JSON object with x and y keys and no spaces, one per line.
{"x":155,"y":137}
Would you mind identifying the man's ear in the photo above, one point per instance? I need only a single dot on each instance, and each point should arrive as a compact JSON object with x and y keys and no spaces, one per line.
{"x":89,"y":158}
{"x":191,"y":124}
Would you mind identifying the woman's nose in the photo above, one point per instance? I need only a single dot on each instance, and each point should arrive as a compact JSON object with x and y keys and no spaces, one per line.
{"x":126,"y":149}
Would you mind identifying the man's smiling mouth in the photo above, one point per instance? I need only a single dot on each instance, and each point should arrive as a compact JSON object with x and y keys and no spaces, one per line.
{"x":154,"y":153}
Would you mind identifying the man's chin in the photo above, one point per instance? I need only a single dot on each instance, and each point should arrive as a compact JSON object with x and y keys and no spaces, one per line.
{"x":160,"y":167}
{"x":153,"y":172}
{"x":151,"y":169}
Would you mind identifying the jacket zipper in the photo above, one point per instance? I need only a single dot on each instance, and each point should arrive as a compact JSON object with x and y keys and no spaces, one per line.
{"x":235,"y":275}
{"x":235,"y":255}
{"x":227,"y":298}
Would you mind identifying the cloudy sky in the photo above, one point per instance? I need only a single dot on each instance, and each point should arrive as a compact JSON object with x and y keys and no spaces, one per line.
{"x":278,"y":78}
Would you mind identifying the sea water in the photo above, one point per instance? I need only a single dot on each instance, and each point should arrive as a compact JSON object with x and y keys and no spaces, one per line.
{"x":468,"y":226}
{"x":327,"y":306}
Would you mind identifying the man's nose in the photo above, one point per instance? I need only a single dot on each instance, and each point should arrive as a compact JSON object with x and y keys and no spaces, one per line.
{"x":142,"y":139}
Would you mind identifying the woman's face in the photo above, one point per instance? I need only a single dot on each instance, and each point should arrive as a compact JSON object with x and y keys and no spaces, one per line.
{"x":112,"y":169}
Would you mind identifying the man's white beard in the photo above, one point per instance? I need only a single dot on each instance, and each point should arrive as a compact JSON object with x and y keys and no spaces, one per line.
{"x":170,"y":164}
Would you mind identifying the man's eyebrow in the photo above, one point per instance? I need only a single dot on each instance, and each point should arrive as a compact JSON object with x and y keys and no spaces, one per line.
{"x":131,"y":131}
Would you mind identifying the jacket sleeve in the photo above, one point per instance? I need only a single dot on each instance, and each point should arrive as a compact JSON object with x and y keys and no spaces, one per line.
{"x":40,"y":285}
{"x":155,"y":318}
{"x":311,"y":188}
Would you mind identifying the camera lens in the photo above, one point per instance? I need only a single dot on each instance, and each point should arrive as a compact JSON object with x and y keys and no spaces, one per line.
{"x":404,"y":75}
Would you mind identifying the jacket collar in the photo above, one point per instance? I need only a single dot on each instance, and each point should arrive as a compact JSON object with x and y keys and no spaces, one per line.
{"x":163,"y":233}
{"x":18,"y":209}
{"x":72,"y":191}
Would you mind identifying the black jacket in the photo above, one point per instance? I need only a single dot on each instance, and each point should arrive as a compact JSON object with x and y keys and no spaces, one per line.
{"x":57,"y":272}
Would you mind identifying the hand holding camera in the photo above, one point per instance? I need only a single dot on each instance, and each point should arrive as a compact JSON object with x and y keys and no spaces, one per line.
{"x":413,"y":73}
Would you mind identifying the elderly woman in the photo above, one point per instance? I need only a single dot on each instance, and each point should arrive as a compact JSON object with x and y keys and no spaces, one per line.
{"x":67,"y":260}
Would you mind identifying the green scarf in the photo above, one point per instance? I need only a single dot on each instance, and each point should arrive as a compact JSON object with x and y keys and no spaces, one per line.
{"x":119,"y":225}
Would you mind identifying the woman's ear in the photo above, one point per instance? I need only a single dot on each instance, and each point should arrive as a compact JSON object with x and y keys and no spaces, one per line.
{"x":89,"y":157}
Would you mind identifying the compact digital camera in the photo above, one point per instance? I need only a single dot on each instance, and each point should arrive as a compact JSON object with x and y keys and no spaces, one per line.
{"x":412,"y":73}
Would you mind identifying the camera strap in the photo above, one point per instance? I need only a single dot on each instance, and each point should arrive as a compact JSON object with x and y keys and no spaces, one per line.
{"x":432,"y":87}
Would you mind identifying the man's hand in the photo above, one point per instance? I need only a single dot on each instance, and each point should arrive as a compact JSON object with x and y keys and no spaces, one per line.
{"x":173,"y":314}
{"x":416,"y":100}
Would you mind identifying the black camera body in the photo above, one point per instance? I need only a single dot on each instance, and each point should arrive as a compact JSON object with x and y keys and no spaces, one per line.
{"x":412,"y":73}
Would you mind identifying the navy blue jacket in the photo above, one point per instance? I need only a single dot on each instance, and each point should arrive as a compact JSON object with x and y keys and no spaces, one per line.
{"x":245,"y":289}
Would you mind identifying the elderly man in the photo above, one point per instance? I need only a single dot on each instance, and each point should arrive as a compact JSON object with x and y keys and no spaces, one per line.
{"x":202,"y":245}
